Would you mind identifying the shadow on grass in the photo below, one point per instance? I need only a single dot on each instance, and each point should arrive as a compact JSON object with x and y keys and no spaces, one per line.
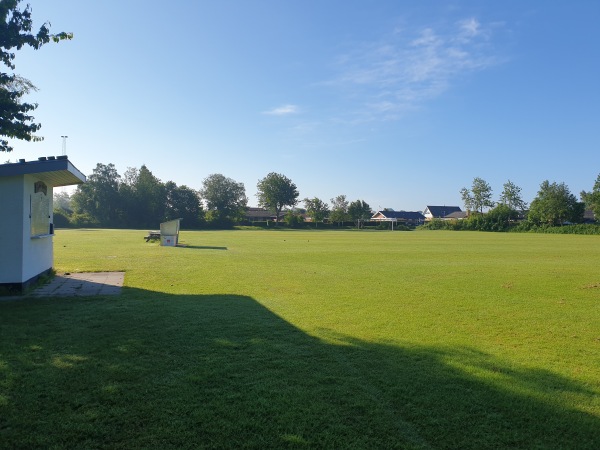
{"x":150,"y":370}
{"x":201,"y":247}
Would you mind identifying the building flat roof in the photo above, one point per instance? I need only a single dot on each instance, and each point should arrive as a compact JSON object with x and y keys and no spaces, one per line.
{"x":56,"y":171}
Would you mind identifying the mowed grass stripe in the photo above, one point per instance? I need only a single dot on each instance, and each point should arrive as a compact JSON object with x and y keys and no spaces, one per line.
{"x":287,"y":339}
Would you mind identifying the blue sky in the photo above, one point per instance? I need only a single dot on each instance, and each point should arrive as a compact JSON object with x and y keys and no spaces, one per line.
{"x":398,"y":103}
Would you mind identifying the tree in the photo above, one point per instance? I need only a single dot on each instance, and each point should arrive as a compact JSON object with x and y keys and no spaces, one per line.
{"x":555,"y":205}
{"x":359,"y":211}
{"x":143,"y":198}
{"x":479,"y":197}
{"x":151,"y":198}
{"x":276,"y":191}
{"x":316,"y":209}
{"x":62,"y":201}
{"x":183,"y":203}
{"x":339,"y":210}
{"x":99,"y":198}
{"x":467,"y":199}
{"x":225,"y":198}
{"x":293,"y":218}
{"x":15,"y":33}
{"x":592,"y":199}
{"x":511,"y":197}
{"x":499,"y":218}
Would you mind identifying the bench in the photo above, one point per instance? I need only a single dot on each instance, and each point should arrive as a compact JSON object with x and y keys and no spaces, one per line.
{"x":152,"y":236}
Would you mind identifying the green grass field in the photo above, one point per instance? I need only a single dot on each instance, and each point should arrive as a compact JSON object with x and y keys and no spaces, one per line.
{"x":311,"y":339}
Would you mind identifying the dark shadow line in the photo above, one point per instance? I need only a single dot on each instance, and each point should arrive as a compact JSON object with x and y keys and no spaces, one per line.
{"x":201,"y":247}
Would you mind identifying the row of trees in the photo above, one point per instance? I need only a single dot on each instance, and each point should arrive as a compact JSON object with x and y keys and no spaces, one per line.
{"x":480,"y":196}
{"x":138,"y":199}
{"x":553,"y":205}
{"x":276,"y":192}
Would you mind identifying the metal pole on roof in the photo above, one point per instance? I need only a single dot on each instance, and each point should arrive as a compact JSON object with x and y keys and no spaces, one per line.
{"x":64,"y":145}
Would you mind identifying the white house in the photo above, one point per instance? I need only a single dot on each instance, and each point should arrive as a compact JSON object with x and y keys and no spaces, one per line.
{"x":26,"y":221}
{"x":404,"y":217}
{"x":439,"y":212}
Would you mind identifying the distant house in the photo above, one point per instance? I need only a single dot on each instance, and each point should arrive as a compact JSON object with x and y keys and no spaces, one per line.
{"x":440,"y":212}
{"x":404,"y":217}
{"x":259,"y":215}
{"x":456,"y":215}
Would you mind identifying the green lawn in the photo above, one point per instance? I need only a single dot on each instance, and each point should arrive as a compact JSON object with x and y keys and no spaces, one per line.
{"x":311,"y":339}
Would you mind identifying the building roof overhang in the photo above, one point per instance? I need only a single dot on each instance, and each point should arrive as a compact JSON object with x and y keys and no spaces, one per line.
{"x":54,"y":172}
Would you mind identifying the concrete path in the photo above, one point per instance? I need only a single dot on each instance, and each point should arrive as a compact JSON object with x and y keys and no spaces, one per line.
{"x":81,"y":284}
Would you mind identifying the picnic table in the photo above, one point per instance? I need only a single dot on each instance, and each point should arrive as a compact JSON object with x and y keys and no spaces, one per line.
{"x":152,"y":235}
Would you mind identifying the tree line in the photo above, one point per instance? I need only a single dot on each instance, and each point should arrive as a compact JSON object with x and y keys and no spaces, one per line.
{"x":138,"y":199}
{"x":554,"y":205}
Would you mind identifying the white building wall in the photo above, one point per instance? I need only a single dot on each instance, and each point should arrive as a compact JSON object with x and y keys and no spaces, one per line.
{"x":11,"y":229}
{"x":38,"y":253}
{"x":21,"y":256}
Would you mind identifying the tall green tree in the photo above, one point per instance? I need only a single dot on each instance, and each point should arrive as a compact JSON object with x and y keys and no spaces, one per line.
{"x":99,"y":196}
{"x":183,"y":203}
{"x":275,"y":191}
{"x":225,"y":198}
{"x":359,"y":211}
{"x":478,"y":197}
{"x":143,"y":198}
{"x":592,"y":199}
{"x":339,"y":210}
{"x":127,"y":195}
{"x":316,"y":209}
{"x":151,"y":198}
{"x":467,"y":199}
{"x":555,"y":205}
{"x":511,"y":197}
{"x":15,"y":33}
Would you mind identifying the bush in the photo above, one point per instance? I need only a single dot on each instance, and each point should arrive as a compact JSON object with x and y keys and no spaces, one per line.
{"x":84,"y":220}
{"x":581,"y":228}
{"x":396,"y":227}
{"x":293,"y":220}
{"x":215,"y":220}
{"x":61,"y":219}
{"x":439,"y":224}
{"x":500,"y":218}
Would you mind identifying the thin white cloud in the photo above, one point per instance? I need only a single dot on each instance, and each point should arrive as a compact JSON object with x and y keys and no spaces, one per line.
{"x":470,"y":27}
{"x":283,"y":110}
{"x":406,"y":69}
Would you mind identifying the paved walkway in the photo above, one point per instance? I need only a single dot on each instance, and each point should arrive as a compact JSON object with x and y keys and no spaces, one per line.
{"x":81,"y":284}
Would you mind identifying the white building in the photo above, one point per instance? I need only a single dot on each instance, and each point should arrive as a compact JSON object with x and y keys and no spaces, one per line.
{"x":26,"y":219}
